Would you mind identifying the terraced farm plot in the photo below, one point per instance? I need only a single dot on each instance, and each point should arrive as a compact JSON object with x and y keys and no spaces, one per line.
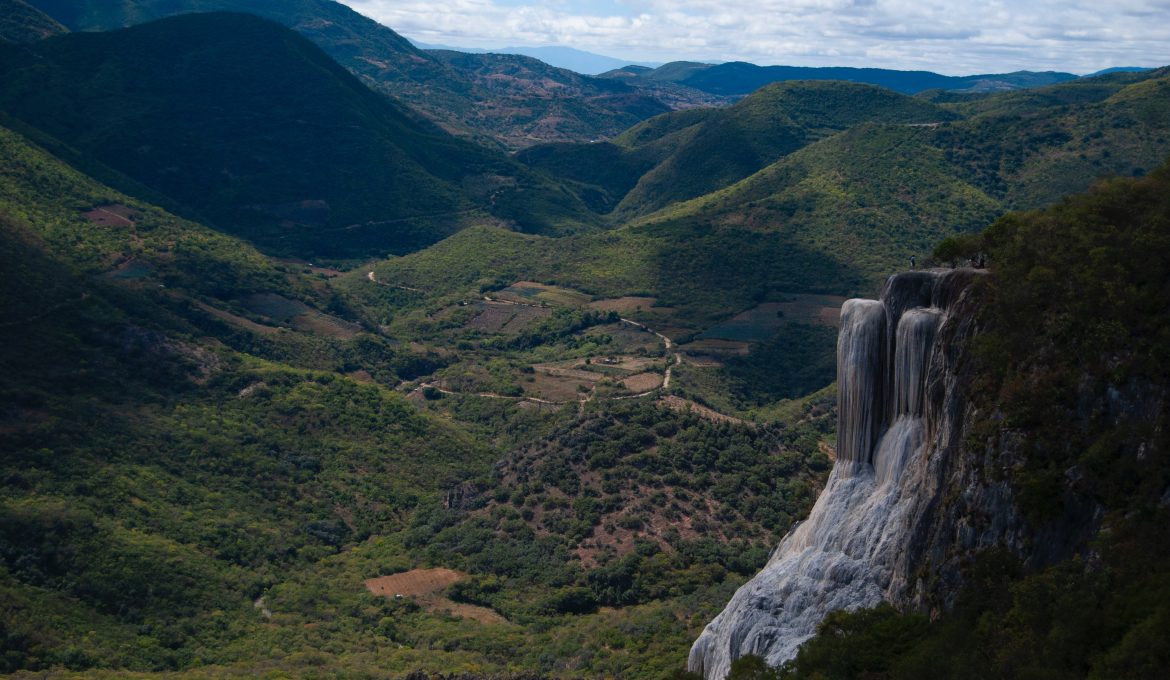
{"x":538,"y":293}
{"x":300,"y":316}
{"x":569,"y":372}
{"x":712,"y":347}
{"x":624,"y":305}
{"x":503,"y":317}
{"x":643,"y":382}
{"x":560,"y":388}
{"x":235,"y":320}
{"x":823,"y":310}
{"x":628,"y":339}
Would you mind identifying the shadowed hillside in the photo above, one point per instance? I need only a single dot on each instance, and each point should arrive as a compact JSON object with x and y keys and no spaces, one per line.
{"x":462,"y":93}
{"x":255,"y":129}
{"x":23,"y":23}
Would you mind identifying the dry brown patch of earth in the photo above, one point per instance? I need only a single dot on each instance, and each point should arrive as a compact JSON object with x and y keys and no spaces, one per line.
{"x":815,"y":309}
{"x":531,"y":292}
{"x":643,"y":382}
{"x":564,"y":372}
{"x":426,"y":587}
{"x":560,"y":387}
{"x":113,"y":215}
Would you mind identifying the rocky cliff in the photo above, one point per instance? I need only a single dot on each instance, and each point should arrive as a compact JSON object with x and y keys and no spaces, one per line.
{"x":908,"y":498}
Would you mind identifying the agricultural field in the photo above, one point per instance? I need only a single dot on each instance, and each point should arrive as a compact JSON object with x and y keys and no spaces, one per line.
{"x":530,"y":292}
{"x":504,"y":317}
{"x":279,"y":310}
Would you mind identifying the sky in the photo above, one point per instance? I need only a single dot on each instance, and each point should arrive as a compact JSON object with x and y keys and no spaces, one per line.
{"x":954,"y":38}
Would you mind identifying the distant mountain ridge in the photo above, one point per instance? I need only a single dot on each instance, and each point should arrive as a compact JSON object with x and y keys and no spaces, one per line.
{"x":740,"y":78}
{"x":542,"y":103}
{"x":580,"y":61}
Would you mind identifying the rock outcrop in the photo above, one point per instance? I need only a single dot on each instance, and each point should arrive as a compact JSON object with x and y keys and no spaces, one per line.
{"x":906,"y":499}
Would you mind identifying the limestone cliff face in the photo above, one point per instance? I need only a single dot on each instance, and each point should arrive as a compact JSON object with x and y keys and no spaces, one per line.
{"x":910,"y":497}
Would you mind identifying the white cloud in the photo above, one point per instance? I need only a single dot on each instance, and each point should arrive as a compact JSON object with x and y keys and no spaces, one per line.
{"x":948,"y":37}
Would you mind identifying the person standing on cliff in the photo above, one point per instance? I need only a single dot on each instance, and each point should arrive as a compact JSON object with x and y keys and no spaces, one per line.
{"x":913,"y":262}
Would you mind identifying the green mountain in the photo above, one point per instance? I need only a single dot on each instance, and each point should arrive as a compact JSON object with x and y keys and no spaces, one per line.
{"x":738,"y":78}
{"x":877,"y":193}
{"x":771,"y":123}
{"x":23,"y":23}
{"x":463,"y":98}
{"x":255,"y":129}
{"x":832,"y":218}
{"x":685,"y":154}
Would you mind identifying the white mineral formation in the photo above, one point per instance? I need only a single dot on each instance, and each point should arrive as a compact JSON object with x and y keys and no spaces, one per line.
{"x":852,"y":552}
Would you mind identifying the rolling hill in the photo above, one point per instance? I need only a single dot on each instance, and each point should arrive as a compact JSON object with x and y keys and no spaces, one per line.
{"x":255,"y":129}
{"x":686,"y":154}
{"x":835,"y":216}
{"x":557,"y":104}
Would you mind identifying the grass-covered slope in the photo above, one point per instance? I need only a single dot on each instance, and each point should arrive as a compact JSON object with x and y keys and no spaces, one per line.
{"x":254,"y":128}
{"x":761,"y":129}
{"x":1070,"y":388}
{"x":685,"y":154}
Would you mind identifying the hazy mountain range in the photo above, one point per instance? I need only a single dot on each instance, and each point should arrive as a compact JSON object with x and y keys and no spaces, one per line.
{"x":586,"y":63}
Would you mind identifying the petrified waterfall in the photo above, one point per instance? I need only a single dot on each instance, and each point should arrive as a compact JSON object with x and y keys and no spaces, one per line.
{"x":854,"y":550}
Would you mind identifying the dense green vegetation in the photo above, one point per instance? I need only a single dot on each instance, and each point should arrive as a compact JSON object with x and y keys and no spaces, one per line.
{"x":505,"y":100}
{"x":685,"y":154}
{"x":204,"y":493}
{"x":1073,"y":357}
{"x":254,"y":128}
{"x":876,"y":194}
